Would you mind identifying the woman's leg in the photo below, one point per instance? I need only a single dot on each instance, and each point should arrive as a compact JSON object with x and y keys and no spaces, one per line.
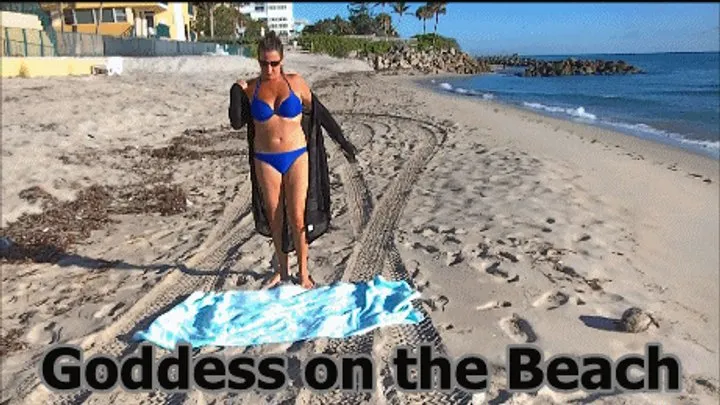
{"x":270,"y":182}
{"x":296,"y":187}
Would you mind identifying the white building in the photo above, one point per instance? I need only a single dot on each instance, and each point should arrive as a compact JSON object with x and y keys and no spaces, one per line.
{"x":278,"y":16}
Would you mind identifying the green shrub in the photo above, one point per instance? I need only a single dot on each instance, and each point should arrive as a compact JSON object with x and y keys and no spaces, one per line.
{"x":340,"y":46}
{"x":428,"y":41}
{"x":253,"y":50}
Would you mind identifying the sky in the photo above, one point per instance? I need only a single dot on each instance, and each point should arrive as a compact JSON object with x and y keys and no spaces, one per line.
{"x":559,"y":28}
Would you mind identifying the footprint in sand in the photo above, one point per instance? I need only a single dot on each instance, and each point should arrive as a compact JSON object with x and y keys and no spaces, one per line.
{"x":705,"y":384}
{"x":552,"y":300}
{"x":493,"y":305}
{"x":108,"y":310}
{"x":493,"y":268}
{"x":44,"y":333}
{"x":437,"y":303}
{"x":508,"y":256}
{"x":453,"y":257}
{"x":427,"y":231}
{"x":583,"y":238}
{"x":518,"y":329}
{"x":452,"y":239}
{"x":428,"y":248}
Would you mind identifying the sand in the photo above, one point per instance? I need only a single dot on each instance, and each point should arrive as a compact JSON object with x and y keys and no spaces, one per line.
{"x":516,"y":228}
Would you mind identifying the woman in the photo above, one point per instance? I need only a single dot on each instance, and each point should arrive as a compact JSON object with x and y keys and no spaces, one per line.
{"x":279,"y":152}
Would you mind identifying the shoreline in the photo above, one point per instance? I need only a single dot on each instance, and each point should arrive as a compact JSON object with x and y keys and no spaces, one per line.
{"x":665,"y":200}
{"x":675,"y":144}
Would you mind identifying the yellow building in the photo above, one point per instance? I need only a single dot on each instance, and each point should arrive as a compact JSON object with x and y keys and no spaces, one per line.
{"x":127,"y":19}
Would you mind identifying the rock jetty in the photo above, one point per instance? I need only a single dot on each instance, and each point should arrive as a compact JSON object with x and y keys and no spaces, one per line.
{"x":408,"y":58}
{"x":566,"y":67}
{"x":511,"y":61}
{"x":571,"y":66}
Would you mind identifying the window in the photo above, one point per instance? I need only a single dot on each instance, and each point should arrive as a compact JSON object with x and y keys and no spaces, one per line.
{"x":69,"y":17}
{"x":259,"y":9}
{"x":120,"y":15}
{"x":107,"y":15}
{"x":85,"y":16}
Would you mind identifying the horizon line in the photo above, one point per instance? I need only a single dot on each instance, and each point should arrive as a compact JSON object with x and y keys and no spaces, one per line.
{"x":588,"y":53}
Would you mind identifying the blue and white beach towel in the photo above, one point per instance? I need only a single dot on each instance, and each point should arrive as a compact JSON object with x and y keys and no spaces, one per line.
{"x":284,"y":314}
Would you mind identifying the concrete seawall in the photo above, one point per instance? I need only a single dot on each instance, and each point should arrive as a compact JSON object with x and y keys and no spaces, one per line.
{"x":48,"y":66}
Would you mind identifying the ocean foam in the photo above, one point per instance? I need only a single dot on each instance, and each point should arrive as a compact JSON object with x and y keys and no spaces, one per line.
{"x":460,"y":90}
{"x":578,"y":112}
{"x":711,"y":146}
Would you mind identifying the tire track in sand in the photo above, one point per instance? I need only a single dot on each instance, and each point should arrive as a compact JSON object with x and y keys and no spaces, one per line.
{"x":196,"y":274}
{"x":366,"y":261}
{"x":376,"y":254}
{"x":359,"y":204}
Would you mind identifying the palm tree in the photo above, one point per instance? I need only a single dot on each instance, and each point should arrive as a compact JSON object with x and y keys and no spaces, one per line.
{"x":423,"y":13}
{"x":358,"y":7}
{"x":209,"y":8}
{"x":386,"y":23}
{"x":400,"y":8}
{"x":436,"y":9}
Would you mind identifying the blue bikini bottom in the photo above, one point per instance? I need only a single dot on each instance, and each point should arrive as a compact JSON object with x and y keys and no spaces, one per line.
{"x":281,"y":161}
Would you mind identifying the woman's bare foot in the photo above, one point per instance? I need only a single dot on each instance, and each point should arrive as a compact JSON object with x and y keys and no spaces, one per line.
{"x":274,"y":280}
{"x":306,"y":281}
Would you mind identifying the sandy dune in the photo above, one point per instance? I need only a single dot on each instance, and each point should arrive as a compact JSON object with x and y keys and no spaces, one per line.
{"x":516,"y":228}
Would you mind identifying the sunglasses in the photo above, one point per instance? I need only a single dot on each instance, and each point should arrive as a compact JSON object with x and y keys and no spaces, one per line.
{"x":265,"y":63}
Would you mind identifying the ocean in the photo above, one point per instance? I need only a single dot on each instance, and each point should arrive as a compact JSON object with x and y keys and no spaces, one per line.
{"x":676,"y":102}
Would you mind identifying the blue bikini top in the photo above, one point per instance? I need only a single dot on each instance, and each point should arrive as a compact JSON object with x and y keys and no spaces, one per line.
{"x":290,"y":107}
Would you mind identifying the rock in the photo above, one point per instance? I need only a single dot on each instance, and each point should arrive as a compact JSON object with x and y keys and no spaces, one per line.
{"x":405,"y":57}
{"x":567,"y":67}
{"x":636,"y":320}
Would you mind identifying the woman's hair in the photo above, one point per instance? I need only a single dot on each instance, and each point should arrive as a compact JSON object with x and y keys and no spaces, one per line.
{"x":270,"y":42}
